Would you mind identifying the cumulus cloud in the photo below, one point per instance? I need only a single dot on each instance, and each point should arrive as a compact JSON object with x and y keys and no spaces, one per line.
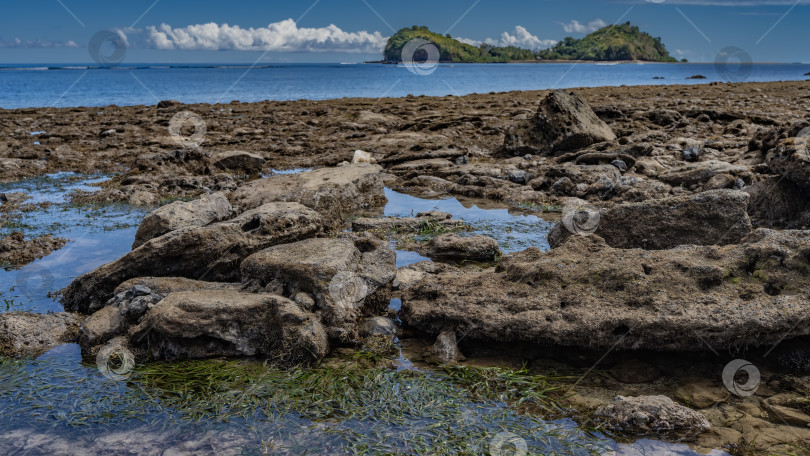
{"x":284,"y":36}
{"x":18,"y":43}
{"x":521,"y":38}
{"x":469,"y":41}
{"x":577,"y":27}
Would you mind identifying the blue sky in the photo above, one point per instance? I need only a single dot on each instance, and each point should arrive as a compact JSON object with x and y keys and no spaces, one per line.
{"x":186,"y":31}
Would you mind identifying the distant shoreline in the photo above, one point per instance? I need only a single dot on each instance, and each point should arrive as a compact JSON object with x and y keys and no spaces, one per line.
{"x":237,"y":66}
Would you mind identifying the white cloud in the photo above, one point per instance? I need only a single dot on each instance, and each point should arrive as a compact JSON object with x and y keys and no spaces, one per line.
{"x":577,"y":27}
{"x":284,"y":36}
{"x":18,"y":43}
{"x":469,"y":41}
{"x":522,"y":39}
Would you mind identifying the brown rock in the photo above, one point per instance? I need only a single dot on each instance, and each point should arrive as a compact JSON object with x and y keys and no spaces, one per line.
{"x":335,"y":193}
{"x":453,"y":247}
{"x":653,"y":416}
{"x":702,"y":394}
{"x":234,"y":160}
{"x":585,"y":293}
{"x":714,"y":217}
{"x":563,"y":122}
{"x":226,"y":323}
{"x":211,"y":252}
{"x":24,"y":334}
{"x":181,"y":214}
{"x":16,"y":251}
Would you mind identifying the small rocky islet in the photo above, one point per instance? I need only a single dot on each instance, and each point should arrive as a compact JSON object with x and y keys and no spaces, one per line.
{"x":682,"y":243}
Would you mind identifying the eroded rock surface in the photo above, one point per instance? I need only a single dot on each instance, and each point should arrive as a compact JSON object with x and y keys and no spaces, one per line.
{"x":586,"y":293}
{"x":335,"y":193}
{"x":346,"y":277}
{"x":181,"y":214}
{"x":453,"y":247}
{"x":564,"y":121}
{"x":653,"y":416}
{"x":16,"y":251}
{"x":24,"y":334}
{"x":714,"y":217}
{"x":194,"y":324}
{"x":212,"y":252}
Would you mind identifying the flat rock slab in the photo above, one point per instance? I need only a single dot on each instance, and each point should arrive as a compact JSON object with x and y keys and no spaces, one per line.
{"x":714,"y":217}
{"x":212,"y":252}
{"x":181,"y":214}
{"x":24,"y":334}
{"x":588,"y":294}
{"x":423,"y":220}
{"x":335,"y":193}
{"x":563,"y":122}
{"x":452,"y":247}
{"x":165,"y":285}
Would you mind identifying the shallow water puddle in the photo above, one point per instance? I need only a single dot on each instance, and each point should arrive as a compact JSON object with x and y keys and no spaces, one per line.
{"x":515,"y":229}
{"x":213,"y":405}
{"x":60,"y":403}
{"x":64,"y":405}
{"x":97,"y":234}
{"x":277,"y":172}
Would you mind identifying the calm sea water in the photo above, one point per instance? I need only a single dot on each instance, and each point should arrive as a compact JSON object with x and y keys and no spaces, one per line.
{"x":67,"y":86}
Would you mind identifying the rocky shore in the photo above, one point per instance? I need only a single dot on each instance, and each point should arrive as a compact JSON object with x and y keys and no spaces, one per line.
{"x":681,"y":243}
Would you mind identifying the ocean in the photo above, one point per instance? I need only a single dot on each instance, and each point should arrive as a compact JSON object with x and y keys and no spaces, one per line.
{"x":28,"y":86}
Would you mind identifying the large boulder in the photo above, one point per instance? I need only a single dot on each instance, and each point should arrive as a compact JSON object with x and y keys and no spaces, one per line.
{"x":335,"y":193}
{"x":132,"y":300}
{"x":346,"y":277}
{"x":195,"y":324}
{"x":654,"y":416}
{"x":181,"y":214}
{"x":563,"y":122}
{"x":588,"y":294}
{"x":24,"y":334}
{"x":212,"y":252}
{"x":791,"y":160}
{"x":715,"y":217}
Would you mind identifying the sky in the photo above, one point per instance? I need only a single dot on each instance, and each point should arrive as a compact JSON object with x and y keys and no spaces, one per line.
{"x":274,"y":31}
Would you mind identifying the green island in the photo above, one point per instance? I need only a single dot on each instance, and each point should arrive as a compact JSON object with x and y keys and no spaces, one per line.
{"x":622,"y":42}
